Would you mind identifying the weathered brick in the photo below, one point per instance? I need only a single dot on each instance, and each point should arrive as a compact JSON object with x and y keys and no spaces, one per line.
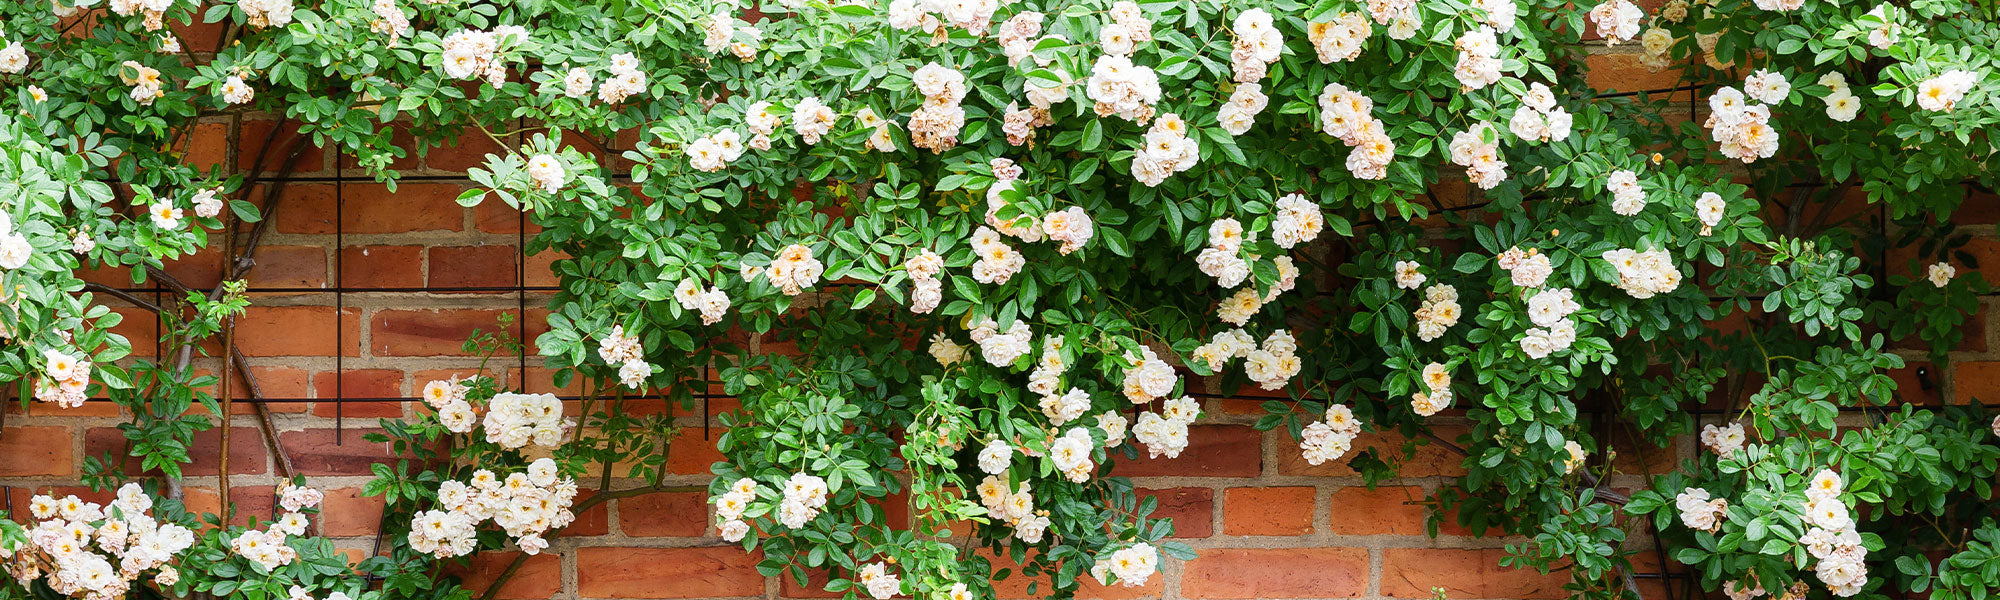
{"x":1191,"y":508}
{"x":36,"y":451}
{"x":713,"y":572}
{"x":370,"y":208}
{"x":349,"y":513}
{"x":440,"y":332}
{"x":246,"y":450}
{"x":1431,"y":459}
{"x":325,"y":451}
{"x":382,"y":267}
{"x":539,"y":577}
{"x":1268,"y":511}
{"x":1414,"y":572}
{"x":474,"y":266}
{"x":1213,"y":451}
{"x":675,"y":514}
{"x":297,"y":331}
{"x":358,"y":383}
{"x":1386,"y":510}
{"x":250,"y":147}
{"x":288,"y":266}
{"x":1276,"y":573}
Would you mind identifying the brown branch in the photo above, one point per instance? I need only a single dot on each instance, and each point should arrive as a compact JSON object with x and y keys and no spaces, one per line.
{"x":122,"y":295}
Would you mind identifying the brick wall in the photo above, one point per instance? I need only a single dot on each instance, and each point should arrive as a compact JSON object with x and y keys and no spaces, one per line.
{"x":1267,"y":525}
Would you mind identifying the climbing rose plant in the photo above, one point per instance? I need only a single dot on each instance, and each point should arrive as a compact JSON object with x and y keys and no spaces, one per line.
{"x":997,"y":243}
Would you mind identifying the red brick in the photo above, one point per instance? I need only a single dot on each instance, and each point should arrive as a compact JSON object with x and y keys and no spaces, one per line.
{"x":202,"y":269}
{"x":1268,"y":511}
{"x":246,"y":450}
{"x":442,"y":332}
{"x":1975,"y":381}
{"x":692,"y":453}
{"x":349,"y":513}
{"x":246,"y":502}
{"x":541,"y":268}
{"x":677,"y":514}
{"x":595,"y":520}
{"x":713,"y":572}
{"x":468,"y":151}
{"x":495,"y":216}
{"x":250,"y":147}
{"x":358,"y":383}
{"x":297,"y":331}
{"x":1431,"y":459}
{"x":1918,"y":383}
{"x":1386,"y":510}
{"x":1622,"y":71}
{"x":1413,"y":572}
{"x":36,"y":451}
{"x":474,"y":266}
{"x":324,"y":451}
{"x":371,"y":208}
{"x":1276,"y":573}
{"x":278,"y":382}
{"x":538,"y":578}
{"x":382,"y":267}
{"x":1191,"y":508}
{"x":288,"y":266}
{"x":208,"y":146}
{"x":1213,"y":451}
{"x":814,"y":586}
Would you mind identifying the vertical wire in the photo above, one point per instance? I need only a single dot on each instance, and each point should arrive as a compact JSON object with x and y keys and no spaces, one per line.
{"x":339,"y":308}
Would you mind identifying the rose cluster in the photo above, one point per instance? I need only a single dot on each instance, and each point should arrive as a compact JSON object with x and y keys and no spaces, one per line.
{"x":524,"y":504}
{"x":1724,"y":441}
{"x":470,"y":53}
{"x":730,"y":505}
{"x":1744,"y":129}
{"x":925,"y":269}
{"x":1700,"y":512}
{"x":1166,"y":150}
{"x":1643,"y":274}
{"x":1478,"y":58}
{"x":935,"y":125}
{"x":1258,"y":44}
{"x":1553,"y":332}
{"x":1331,"y":438}
{"x":1341,"y":39}
{"x":1275,"y":362}
{"x":94,"y":552}
{"x":1478,"y":150}
{"x":1831,"y":537}
{"x":793,"y":270}
{"x":1345,"y":114}
{"x":1436,"y":394}
{"x":805,"y":495}
{"x":1438,"y":313}
{"x":711,"y":303}
{"x":1131,"y":566}
{"x":998,"y":262}
{"x":1165,"y":432}
{"x":1014,"y":507}
{"x":1001,"y":348}
{"x":67,"y":377}
{"x":1539,"y":119}
{"x":1617,"y":20}
{"x":267,"y":548}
